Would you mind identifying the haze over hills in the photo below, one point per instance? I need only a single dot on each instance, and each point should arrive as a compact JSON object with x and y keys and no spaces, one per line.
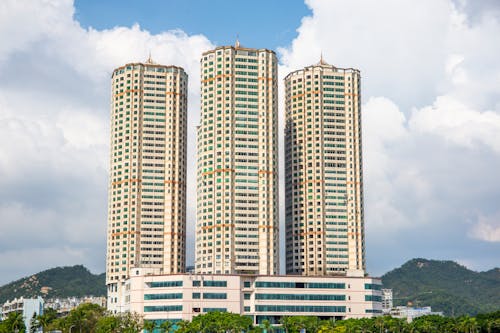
{"x":56,"y":282}
{"x":444,"y":285}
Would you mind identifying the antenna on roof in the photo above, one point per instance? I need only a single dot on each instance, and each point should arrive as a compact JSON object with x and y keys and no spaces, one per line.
{"x":237,"y":44}
{"x":150,"y":60}
{"x":321,"y":60}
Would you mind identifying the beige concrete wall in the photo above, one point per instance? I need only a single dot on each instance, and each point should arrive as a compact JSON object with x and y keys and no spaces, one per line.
{"x":323,"y":171}
{"x":237,"y":179}
{"x":353,"y":306}
{"x":147,"y":184}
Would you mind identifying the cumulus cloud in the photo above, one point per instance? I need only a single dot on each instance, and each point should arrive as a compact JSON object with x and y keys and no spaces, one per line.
{"x":487,"y":228}
{"x":431,"y":110}
{"x":431,"y":117}
{"x":54,"y":129}
{"x":455,"y":122}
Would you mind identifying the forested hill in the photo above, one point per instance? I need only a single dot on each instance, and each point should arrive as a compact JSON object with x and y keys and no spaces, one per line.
{"x":56,"y":282}
{"x":444,"y":285}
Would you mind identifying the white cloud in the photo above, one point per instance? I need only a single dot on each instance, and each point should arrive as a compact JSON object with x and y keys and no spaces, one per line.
{"x":431,"y":119}
{"x":82,"y":129}
{"x":54,"y":128}
{"x":458,"y":124}
{"x":431,"y":88}
{"x":454,"y":70}
{"x":487,"y":228}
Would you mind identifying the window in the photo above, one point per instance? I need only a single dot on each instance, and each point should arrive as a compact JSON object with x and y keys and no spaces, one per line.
{"x":372,"y":286}
{"x":214,"y":296}
{"x":160,"y":284}
{"x":299,"y":308}
{"x":163,"y":296}
{"x":301,"y":297}
{"x":312,"y":285}
{"x":214,"y":283}
{"x":373,"y":298}
{"x":163,"y":308}
{"x":214,"y":310}
{"x":196,"y":295}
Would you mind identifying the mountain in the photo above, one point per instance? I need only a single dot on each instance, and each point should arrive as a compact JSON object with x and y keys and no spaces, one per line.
{"x":445,"y":286}
{"x":56,"y":282}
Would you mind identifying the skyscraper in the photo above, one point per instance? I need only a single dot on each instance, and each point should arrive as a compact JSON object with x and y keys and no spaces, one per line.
{"x":237,"y":176}
{"x":147,"y":185}
{"x":323,"y":170}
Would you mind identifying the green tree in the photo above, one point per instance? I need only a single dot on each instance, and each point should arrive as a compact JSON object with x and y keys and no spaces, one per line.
{"x":182,"y":326}
{"x":131,"y":323}
{"x":44,"y":320}
{"x":220,"y":322}
{"x":14,"y":323}
{"x":34,"y":325}
{"x":166,"y":326}
{"x":108,"y":324}
{"x":287,"y":324}
{"x":326,"y":326}
{"x":149,"y":326}
{"x":83,"y":319}
{"x":366,"y":325}
{"x":380,"y":324}
{"x":266,"y":324}
{"x":473,"y":326}
{"x":194,"y":327}
{"x":464,"y":324}
{"x":312,"y":324}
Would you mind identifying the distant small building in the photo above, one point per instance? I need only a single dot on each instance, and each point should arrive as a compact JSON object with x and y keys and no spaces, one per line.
{"x":29,"y":307}
{"x":64,"y":305}
{"x":45,"y":290}
{"x":387,"y":303}
{"x":410,"y":313}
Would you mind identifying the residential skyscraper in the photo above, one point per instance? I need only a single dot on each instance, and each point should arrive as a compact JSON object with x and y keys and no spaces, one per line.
{"x":323,"y":172}
{"x":147,"y":184}
{"x":237,"y":176}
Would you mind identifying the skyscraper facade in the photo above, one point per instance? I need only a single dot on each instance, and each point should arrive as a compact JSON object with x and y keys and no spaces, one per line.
{"x":323,"y":172}
{"x":147,"y":184}
{"x":237,"y":163}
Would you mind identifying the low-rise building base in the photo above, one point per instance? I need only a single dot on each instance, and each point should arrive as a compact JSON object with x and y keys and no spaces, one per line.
{"x":182,"y":296}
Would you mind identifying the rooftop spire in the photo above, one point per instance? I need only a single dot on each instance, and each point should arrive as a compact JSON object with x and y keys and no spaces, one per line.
{"x":237,"y":44}
{"x":150,"y":60}
{"x":321,"y":60}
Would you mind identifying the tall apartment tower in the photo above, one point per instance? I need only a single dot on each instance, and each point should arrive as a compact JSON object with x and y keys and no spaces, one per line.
{"x":147,"y":185}
{"x":237,"y":176}
{"x":323,"y":170}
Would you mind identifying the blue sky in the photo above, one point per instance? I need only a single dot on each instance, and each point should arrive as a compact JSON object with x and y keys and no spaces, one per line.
{"x":256,"y":22}
{"x":430,"y":115}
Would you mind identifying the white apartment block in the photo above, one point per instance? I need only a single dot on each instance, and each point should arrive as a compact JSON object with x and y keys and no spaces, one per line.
{"x":28,"y":307}
{"x":387,"y":300}
{"x":64,"y":305}
{"x":410,"y":313}
{"x":182,"y":296}
{"x":323,"y":172}
{"x":147,"y":184}
{"x":237,"y":175}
